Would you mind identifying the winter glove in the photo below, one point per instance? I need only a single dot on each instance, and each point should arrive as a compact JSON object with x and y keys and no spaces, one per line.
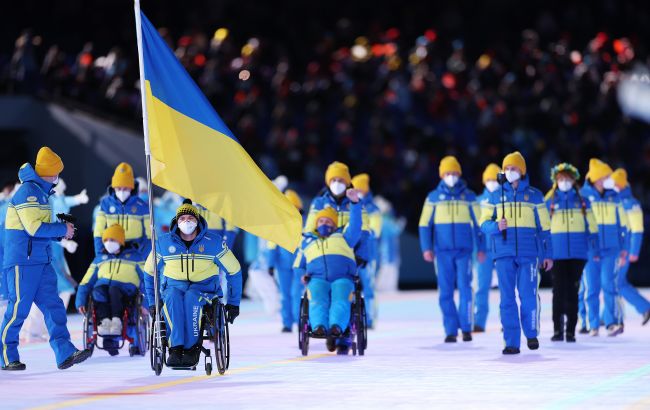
{"x":81,"y":198}
{"x":271,"y":271}
{"x":69,"y":245}
{"x":232,"y":312}
{"x":152,"y":311}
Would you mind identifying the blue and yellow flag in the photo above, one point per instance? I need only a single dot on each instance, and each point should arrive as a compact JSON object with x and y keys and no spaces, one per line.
{"x":194,"y":154}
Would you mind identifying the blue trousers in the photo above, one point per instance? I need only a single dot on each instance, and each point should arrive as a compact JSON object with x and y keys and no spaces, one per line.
{"x":291,"y":289}
{"x":602,"y":275}
{"x":329,"y":302}
{"x":367,"y":275}
{"x":482,"y":297}
{"x":629,"y":292}
{"x":27,"y":285}
{"x":522,"y":275}
{"x":183,"y":308}
{"x":582,"y":304}
{"x":455,"y":268}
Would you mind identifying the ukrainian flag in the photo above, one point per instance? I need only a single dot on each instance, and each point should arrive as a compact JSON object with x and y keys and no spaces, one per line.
{"x":194,"y":154}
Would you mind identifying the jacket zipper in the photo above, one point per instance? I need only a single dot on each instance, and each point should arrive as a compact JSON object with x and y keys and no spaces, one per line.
{"x":453,"y":231}
{"x":568,"y":236}
{"x":322,"y":248}
{"x":516,"y":236}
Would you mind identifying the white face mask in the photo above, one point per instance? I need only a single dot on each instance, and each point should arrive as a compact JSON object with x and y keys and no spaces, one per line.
{"x":187,"y":227}
{"x":450,"y":180}
{"x":492,"y":186}
{"x":112,"y":247}
{"x":122,"y":195}
{"x":564,"y":185}
{"x":512,"y":176}
{"x":609,"y":183}
{"x":337,"y":188}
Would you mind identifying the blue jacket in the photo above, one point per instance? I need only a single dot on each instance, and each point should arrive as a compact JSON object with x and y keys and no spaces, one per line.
{"x":610,"y":217}
{"x":120,"y":270}
{"x":363,"y":248}
{"x":279,"y":258}
{"x":198,"y":263}
{"x":3,"y":215}
{"x":574,"y":232}
{"x":635,"y":221}
{"x":133,"y":216}
{"x":528,"y":234}
{"x":448,"y":221}
{"x":28,"y":226}
{"x":331,"y":258}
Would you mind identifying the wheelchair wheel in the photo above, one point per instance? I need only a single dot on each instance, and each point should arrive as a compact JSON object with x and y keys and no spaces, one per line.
{"x":221,"y":338}
{"x":157,"y":352}
{"x":142,"y":333}
{"x":361,"y":327}
{"x":303,"y":327}
{"x":89,"y":329}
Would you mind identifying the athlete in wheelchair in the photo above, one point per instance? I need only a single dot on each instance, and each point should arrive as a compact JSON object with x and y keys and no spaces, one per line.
{"x":110,"y":299}
{"x":332,"y":307}
{"x":188,"y":262}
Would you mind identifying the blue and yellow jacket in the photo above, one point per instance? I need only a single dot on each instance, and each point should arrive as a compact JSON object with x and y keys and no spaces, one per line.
{"x":448,"y":221}
{"x":635,"y":220}
{"x":198,"y":263}
{"x":574,"y":232}
{"x":610,"y":217}
{"x":28,"y":225}
{"x":133,"y":216}
{"x":375,"y":223}
{"x":120,"y":270}
{"x":342,"y":206}
{"x":529,"y":226}
{"x":218,"y":226}
{"x":331,"y":258}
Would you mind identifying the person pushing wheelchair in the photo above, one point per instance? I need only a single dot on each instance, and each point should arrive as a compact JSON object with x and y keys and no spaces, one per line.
{"x":189,"y":258}
{"x":328,"y":265}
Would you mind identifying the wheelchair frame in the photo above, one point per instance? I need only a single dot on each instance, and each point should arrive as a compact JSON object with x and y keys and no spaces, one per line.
{"x":214,"y":327}
{"x":132,"y":315}
{"x":357,"y":328}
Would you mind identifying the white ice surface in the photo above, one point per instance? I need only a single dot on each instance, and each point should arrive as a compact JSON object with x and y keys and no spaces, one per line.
{"x":406,"y":366}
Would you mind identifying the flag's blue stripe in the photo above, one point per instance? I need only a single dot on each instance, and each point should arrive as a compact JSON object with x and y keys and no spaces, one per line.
{"x":171,"y":84}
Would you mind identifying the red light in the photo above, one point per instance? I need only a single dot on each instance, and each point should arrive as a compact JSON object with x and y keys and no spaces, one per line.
{"x":86,"y":59}
{"x":431,"y":35}
{"x":392,"y":34}
{"x":185,"y":41}
{"x":448,"y":80}
{"x":619,"y":46}
{"x":199,"y":60}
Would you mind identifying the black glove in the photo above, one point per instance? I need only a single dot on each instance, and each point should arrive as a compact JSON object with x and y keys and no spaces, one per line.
{"x":232,"y":312}
{"x":152,"y":311}
{"x":271,"y":271}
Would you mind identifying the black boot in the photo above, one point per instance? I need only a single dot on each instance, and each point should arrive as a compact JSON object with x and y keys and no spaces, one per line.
{"x":451,"y":339}
{"x":467,"y":337}
{"x":342,"y":350}
{"x":478,"y":329}
{"x":286,"y":329}
{"x":16,"y":365}
{"x":646,"y":318}
{"x":319,"y":331}
{"x":75,"y":358}
{"x":557,"y":337}
{"x":570,"y":338}
{"x":175,"y":357}
{"x":335,"y":333}
{"x":584,"y":331}
{"x":510,"y":350}
{"x":191,"y":356}
{"x":533,"y":343}
{"x":111,"y":345}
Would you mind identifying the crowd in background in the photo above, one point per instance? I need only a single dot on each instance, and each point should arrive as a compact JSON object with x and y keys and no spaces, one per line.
{"x":390,"y":97}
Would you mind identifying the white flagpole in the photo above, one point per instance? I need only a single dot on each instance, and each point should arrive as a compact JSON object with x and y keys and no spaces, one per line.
{"x":147,"y":152}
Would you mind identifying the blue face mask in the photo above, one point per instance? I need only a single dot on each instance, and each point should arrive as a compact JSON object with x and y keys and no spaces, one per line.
{"x":325,"y":230}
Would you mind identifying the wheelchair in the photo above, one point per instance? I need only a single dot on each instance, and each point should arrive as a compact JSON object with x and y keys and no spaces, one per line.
{"x":214,"y":328}
{"x":134,"y":322}
{"x":357,"y":329}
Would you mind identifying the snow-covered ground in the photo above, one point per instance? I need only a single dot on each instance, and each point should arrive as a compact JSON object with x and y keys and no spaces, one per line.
{"x":406,"y":366}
